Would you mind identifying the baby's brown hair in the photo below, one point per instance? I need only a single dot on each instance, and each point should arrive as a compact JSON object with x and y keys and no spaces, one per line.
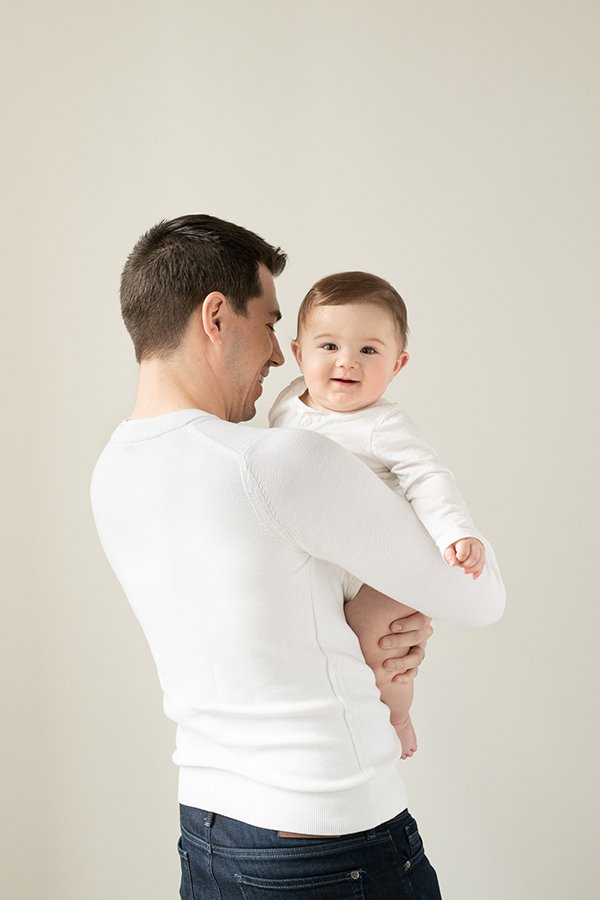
{"x":347,"y":288}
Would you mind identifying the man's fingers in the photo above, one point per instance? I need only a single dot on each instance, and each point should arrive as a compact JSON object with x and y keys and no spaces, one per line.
{"x":408,"y":666}
{"x":404,"y":663}
{"x":403,"y":640}
{"x":415,"y":622}
{"x":416,"y":631}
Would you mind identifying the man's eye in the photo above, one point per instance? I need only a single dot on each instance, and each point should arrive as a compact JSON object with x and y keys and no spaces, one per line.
{"x":272,"y":328}
{"x":368,"y":350}
{"x":329,"y":346}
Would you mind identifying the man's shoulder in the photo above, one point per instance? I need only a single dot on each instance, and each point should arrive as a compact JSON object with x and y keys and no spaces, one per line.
{"x":282,"y":441}
{"x":282,"y":456}
{"x":256,"y":444}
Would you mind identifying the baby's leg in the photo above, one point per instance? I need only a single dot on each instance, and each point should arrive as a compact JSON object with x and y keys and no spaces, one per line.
{"x":369,"y":616}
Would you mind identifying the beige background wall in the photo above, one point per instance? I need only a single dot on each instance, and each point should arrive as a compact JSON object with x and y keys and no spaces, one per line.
{"x":451,"y":147}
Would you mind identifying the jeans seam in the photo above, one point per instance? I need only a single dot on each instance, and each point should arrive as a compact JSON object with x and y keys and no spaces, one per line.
{"x":195,"y":840}
{"x":208,"y":826}
{"x":186,"y":872}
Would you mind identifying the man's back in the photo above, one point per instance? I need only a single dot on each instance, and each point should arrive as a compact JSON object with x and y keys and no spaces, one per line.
{"x":276,"y":710}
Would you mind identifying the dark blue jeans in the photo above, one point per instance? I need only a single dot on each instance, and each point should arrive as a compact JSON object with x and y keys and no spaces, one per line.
{"x":223,"y":859}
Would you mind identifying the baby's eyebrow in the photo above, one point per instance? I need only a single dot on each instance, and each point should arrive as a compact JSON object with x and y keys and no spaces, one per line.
{"x":319,"y":337}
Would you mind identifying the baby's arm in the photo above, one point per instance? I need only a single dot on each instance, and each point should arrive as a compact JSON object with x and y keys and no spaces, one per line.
{"x":430,"y":489}
{"x":369,"y":615}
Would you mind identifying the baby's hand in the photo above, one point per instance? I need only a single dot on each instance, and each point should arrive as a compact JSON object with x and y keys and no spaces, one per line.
{"x":469,"y":554}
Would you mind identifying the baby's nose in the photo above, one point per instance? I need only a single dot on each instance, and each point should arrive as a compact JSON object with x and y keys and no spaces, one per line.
{"x":346,"y":359}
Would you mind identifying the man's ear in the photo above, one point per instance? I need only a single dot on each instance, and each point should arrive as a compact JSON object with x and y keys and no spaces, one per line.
{"x":212,"y":311}
{"x":296,"y":350}
{"x":401,"y":362}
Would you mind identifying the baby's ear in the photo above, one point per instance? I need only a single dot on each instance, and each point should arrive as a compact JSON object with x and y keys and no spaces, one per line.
{"x":295,"y":346}
{"x":401,"y":362}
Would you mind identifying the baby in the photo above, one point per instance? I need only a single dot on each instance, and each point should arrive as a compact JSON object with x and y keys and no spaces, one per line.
{"x":350,"y":344}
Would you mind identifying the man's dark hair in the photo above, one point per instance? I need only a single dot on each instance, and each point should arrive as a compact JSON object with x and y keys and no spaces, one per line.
{"x":176,"y":264}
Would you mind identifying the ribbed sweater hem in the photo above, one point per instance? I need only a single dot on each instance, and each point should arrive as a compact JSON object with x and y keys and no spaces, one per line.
{"x":336,"y":812}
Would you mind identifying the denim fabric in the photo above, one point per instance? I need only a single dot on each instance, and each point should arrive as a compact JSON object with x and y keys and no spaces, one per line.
{"x":223,"y":859}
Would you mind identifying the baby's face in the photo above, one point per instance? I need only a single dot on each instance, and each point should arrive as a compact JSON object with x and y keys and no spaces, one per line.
{"x":348,"y":355}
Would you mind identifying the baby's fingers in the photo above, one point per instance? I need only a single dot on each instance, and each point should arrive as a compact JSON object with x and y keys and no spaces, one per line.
{"x":468,"y":553}
{"x":450,"y":556}
{"x":464,"y":550}
{"x":476,"y":571}
{"x":475,"y":554}
{"x":472,"y":559}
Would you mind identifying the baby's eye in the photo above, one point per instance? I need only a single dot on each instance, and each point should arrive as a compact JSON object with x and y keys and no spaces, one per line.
{"x":329,"y":346}
{"x":368,"y":350}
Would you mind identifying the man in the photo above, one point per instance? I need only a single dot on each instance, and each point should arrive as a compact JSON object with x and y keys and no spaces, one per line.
{"x":235,"y":563}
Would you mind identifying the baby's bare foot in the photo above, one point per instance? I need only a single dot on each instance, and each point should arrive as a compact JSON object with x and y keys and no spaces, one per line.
{"x":407,"y":737}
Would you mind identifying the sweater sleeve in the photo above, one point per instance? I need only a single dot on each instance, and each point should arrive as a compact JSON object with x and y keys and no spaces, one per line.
{"x":427,"y":485}
{"x":316,"y":497}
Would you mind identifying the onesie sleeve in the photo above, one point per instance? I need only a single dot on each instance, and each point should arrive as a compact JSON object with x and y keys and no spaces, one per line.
{"x":280,"y":414}
{"x":316,"y":497}
{"x":276,"y":415}
{"x":427,"y":485}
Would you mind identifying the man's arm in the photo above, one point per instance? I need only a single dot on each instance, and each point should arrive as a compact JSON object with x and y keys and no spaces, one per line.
{"x":317,"y":497}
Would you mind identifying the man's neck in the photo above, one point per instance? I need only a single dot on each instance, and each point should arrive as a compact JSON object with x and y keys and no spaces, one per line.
{"x":164,"y":388}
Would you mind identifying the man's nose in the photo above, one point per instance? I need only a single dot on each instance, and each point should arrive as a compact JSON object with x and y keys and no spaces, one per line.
{"x":277,"y":358}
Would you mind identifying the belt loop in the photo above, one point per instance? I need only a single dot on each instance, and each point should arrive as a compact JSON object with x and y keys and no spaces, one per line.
{"x":209,"y":818}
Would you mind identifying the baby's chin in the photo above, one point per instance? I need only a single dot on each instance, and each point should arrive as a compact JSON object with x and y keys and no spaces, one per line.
{"x":345,"y":405}
{"x":350,"y":408}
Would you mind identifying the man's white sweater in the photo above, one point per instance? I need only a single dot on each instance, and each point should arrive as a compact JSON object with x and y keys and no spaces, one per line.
{"x":231,"y":544}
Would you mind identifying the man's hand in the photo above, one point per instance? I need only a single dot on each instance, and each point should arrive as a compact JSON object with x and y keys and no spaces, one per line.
{"x":469,"y":554}
{"x":413,"y":632}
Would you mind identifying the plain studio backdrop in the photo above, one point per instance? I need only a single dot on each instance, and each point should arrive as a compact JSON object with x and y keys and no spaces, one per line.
{"x":452,"y":148}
